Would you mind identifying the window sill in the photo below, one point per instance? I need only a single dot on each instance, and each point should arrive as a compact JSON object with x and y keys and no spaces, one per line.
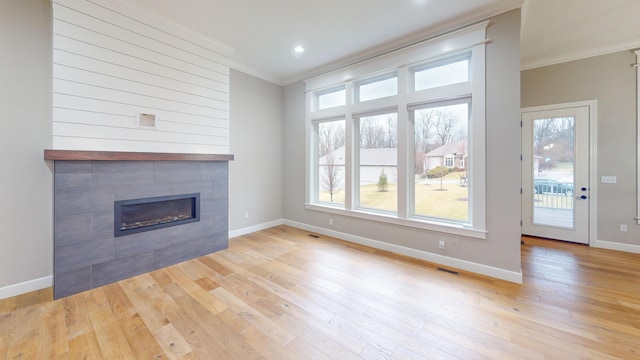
{"x":412,"y":223}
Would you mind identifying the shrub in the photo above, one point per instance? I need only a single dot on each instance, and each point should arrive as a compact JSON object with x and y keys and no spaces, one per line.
{"x":436,"y":172}
{"x":382,"y":181}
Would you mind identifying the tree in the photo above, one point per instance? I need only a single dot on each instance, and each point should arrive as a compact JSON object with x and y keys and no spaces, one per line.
{"x":422,"y":142}
{"x":379,"y":132}
{"x":331,"y":176}
{"x":445,"y":124}
{"x":553,"y":141}
{"x":382,"y":182}
{"x":423,"y":126}
{"x":330,"y":137}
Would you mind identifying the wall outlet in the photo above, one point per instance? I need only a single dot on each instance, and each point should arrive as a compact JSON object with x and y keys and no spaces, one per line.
{"x":608,"y":179}
{"x":441,"y":244}
{"x":623,"y":227}
{"x":330,"y":222}
{"x":246,"y":214}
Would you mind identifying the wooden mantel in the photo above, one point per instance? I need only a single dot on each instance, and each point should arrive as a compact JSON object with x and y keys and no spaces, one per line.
{"x":130,"y":156}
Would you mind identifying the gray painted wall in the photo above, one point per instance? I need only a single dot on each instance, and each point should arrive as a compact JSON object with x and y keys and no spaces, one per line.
{"x":26,"y":204}
{"x":255,"y":174}
{"x":611,"y":81}
{"x":501,"y":248}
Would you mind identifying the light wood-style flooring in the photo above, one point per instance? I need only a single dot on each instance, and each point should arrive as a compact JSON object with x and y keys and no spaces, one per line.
{"x":281,"y":294}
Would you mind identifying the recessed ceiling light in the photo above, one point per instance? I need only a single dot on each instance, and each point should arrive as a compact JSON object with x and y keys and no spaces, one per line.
{"x":298,"y":49}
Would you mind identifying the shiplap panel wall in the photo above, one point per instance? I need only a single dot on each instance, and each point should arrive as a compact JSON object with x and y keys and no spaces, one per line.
{"x":112,"y":62}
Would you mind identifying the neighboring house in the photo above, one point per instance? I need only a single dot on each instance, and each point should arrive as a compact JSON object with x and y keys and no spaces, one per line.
{"x":372,"y":163}
{"x":451,"y":155}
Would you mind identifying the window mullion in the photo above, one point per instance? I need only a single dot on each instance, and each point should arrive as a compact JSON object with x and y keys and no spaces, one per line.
{"x":405,"y":171}
{"x":350,"y":141}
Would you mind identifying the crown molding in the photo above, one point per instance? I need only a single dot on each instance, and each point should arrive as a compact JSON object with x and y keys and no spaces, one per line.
{"x":256,"y":73}
{"x":579,"y":55}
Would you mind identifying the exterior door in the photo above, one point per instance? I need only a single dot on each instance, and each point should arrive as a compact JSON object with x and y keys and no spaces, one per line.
{"x":555,"y":173}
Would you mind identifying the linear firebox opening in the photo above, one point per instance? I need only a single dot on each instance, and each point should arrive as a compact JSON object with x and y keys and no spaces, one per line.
{"x":138,"y":215}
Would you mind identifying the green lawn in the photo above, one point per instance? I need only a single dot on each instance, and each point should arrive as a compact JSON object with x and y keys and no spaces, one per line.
{"x":450,"y":203}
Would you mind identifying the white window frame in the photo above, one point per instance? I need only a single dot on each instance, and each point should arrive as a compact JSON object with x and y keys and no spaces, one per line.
{"x":469,"y":40}
{"x":637,"y":65}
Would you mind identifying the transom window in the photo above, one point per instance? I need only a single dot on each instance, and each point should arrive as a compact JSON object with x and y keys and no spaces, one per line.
{"x":407,"y":146}
{"x":330,"y":98}
{"x":441,"y":74}
{"x":377,"y":88}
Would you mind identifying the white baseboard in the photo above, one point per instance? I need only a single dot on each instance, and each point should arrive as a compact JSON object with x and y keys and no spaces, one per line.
{"x":25,"y":287}
{"x":511,"y":276}
{"x":616,"y":246}
{"x":255,"y":228}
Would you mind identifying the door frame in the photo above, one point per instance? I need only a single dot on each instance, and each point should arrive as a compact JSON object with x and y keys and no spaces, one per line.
{"x":593,"y":158}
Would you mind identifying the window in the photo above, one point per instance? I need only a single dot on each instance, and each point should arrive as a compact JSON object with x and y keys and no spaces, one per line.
{"x":441,"y":138}
{"x":330,"y":151}
{"x":406,"y":147}
{"x":448,"y":161}
{"x":441,"y":74}
{"x":377,"y":88}
{"x":378,"y":162}
{"x":330,"y":98}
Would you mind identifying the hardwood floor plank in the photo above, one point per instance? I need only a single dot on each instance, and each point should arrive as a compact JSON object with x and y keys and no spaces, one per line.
{"x":202,"y":342}
{"x":85,"y":346}
{"x":141,"y":340}
{"x":228,"y":340}
{"x":53,"y":331}
{"x":258,"y":320}
{"x":280,"y":294}
{"x":167,"y":336}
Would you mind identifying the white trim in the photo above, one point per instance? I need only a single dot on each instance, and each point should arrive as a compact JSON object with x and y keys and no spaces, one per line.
{"x":255,"y":73}
{"x":574,"y":56}
{"x":593,"y":156}
{"x":254,"y":228}
{"x":25,"y":287}
{"x":637,"y":52}
{"x":610,"y":245}
{"x":494,"y":272}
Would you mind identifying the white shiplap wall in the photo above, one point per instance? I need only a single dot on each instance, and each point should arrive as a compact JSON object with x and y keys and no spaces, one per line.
{"x":112,"y":62}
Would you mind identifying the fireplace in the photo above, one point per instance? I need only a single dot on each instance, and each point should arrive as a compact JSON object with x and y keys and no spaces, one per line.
{"x":138,"y":215}
{"x":190,"y":189}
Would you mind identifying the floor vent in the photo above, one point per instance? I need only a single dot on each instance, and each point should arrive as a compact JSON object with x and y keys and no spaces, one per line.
{"x":314,"y":236}
{"x":448,"y":271}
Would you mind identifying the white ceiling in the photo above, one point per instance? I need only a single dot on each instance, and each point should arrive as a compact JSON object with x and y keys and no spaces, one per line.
{"x":263,"y":33}
{"x":555,"y":31}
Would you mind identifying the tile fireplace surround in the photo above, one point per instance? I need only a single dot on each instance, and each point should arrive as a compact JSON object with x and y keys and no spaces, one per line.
{"x":86,"y":185}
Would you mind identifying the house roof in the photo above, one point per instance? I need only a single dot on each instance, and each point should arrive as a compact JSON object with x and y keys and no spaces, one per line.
{"x":458,"y":148}
{"x":368,"y":157}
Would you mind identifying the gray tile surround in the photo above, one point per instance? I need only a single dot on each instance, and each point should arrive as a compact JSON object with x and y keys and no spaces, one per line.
{"x":86,"y":253}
